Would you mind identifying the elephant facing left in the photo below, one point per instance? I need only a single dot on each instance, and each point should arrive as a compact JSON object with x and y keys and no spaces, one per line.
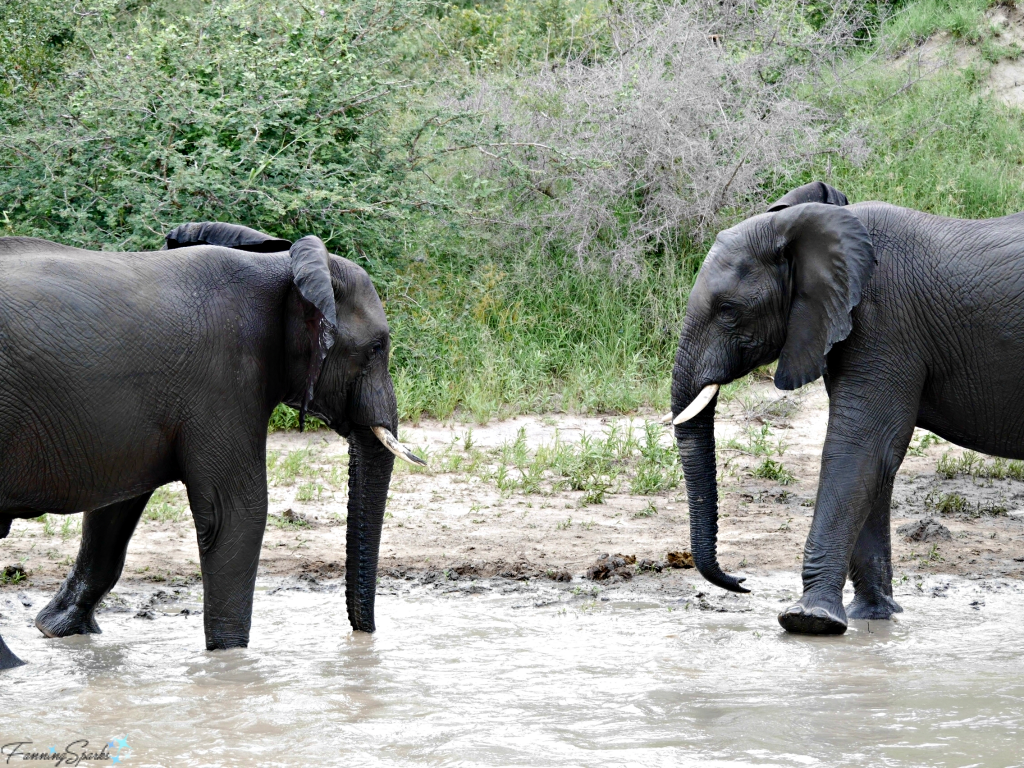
{"x":122,"y":372}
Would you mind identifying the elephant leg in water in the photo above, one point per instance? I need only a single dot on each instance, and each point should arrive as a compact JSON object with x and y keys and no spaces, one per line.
{"x":857,"y":470}
{"x":871,"y":565}
{"x":105,"y":536}
{"x":229,"y":506}
{"x":7,"y":659}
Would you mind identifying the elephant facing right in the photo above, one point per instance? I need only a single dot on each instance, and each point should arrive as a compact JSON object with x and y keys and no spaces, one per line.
{"x":912,"y":320}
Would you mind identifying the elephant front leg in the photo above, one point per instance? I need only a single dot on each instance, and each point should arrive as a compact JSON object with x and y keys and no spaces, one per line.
{"x":105,"y":536}
{"x":864,"y":447}
{"x":229,"y":527}
{"x":871,"y":565}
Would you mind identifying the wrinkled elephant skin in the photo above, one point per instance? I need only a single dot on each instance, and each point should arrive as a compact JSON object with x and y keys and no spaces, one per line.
{"x":126,"y":371}
{"x":912,"y":319}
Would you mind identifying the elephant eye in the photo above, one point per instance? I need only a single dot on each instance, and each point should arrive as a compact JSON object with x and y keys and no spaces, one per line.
{"x":376,"y":349}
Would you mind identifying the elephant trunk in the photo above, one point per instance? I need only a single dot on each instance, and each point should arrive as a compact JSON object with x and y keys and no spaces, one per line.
{"x":696,"y":441}
{"x":369,"y":476}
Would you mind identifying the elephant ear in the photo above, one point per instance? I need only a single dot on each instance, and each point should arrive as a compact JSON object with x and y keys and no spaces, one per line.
{"x":311,"y":273}
{"x":815,"y":192}
{"x":228,"y":235}
{"x":831,"y":258}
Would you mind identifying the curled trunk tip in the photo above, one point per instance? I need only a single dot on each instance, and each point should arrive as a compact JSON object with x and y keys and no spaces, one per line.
{"x":695,"y":438}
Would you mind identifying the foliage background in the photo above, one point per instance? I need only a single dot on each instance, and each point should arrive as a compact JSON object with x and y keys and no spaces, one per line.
{"x":531,"y":183}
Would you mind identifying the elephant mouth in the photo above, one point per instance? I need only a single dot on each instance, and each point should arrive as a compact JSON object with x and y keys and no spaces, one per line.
{"x":392,"y":443}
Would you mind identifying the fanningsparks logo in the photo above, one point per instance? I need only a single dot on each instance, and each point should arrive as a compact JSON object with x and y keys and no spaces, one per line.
{"x":115,"y":751}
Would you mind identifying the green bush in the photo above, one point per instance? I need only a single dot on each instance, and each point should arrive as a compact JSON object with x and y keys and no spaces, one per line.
{"x":272,"y":114}
{"x":371,"y":124}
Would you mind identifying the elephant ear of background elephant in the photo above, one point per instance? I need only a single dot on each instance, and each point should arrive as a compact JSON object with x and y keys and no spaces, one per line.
{"x":227,"y":235}
{"x":311,"y":273}
{"x":831,"y":258}
{"x":815,"y":192}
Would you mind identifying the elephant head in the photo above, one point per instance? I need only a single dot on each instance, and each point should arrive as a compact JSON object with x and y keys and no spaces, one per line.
{"x":778,"y":286}
{"x":337,"y":344}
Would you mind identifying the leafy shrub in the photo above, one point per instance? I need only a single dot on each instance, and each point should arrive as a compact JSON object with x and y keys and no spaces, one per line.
{"x":33,"y":37}
{"x":271,"y":114}
{"x":494,"y":36}
{"x":673,"y":130}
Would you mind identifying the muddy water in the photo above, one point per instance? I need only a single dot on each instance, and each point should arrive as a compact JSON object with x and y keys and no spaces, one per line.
{"x":534,"y":677}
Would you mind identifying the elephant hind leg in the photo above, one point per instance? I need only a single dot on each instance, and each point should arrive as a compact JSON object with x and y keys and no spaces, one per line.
{"x":105,"y":536}
{"x":7,"y":659}
{"x":871,"y":565}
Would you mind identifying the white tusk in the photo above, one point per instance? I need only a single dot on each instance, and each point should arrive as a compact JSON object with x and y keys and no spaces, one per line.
{"x":698,"y":404}
{"x":666,"y":419}
{"x":391,"y":443}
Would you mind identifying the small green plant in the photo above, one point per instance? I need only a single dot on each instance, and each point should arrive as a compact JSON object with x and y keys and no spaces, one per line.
{"x":973,"y":465}
{"x":288,"y":469}
{"x":658,"y":468}
{"x":288,"y":519}
{"x":769,"y":469}
{"x":594,"y":492}
{"x":649,"y":511}
{"x":48,"y":529}
{"x":13,"y":574}
{"x":758,"y":443}
{"x":948,"y":504}
{"x":310,"y":491}
{"x":70,"y":526}
{"x":923,"y":442}
{"x":166,"y":506}
{"x":564,"y":525}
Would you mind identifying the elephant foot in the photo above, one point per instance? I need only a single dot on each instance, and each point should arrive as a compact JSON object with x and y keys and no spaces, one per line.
{"x":813,"y":620}
{"x":873,"y":607}
{"x":60,"y":619}
{"x":7,"y":659}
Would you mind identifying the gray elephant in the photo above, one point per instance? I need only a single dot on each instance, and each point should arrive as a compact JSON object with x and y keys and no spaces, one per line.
{"x":912,"y":319}
{"x":126,"y":371}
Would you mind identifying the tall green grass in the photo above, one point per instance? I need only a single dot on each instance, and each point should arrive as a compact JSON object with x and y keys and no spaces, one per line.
{"x":532,"y":332}
{"x":942,"y":145}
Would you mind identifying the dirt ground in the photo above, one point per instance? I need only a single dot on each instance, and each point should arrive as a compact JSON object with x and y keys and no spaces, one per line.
{"x":473,"y":513}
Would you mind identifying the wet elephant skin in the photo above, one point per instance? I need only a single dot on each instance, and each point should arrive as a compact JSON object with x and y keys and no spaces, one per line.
{"x":912,"y":320}
{"x":126,"y":371}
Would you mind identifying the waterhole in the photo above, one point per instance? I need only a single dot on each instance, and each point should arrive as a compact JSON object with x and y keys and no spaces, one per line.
{"x":535,"y":676}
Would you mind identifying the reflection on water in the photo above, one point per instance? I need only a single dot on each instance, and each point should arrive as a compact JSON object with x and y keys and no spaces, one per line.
{"x":493,"y":680}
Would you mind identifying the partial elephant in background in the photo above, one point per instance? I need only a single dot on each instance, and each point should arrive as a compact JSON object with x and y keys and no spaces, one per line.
{"x":126,"y":371}
{"x":912,"y":319}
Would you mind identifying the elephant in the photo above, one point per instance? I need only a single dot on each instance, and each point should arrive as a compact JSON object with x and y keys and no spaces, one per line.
{"x":126,"y":371}
{"x":913,"y":320}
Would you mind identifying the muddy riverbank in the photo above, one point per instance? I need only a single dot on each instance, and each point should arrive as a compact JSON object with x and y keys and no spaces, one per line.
{"x":545,"y":497}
